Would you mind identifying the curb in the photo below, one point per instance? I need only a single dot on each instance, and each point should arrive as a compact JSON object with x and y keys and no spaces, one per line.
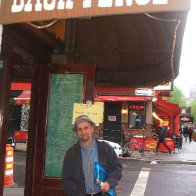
{"x":174,"y":162}
{"x":185,"y":162}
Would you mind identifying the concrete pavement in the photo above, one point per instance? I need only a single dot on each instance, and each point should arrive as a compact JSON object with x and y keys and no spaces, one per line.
{"x":186,"y":155}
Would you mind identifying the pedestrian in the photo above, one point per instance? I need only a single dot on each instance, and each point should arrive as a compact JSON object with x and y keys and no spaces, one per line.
{"x":161,"y":138}
{"x":79,"y":162}
{"x":190,"y":133}
{"x":185,"y":133}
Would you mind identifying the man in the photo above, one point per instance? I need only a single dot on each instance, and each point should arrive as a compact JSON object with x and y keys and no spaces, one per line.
{"x":162,"y":135}
{"x":185,"y":133}
{"x":79,"y":162}
{"x":190,"y":133}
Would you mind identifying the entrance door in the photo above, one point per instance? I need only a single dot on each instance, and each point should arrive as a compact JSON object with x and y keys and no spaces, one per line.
{"x":54,"y":92}
{"x":112,"y":121}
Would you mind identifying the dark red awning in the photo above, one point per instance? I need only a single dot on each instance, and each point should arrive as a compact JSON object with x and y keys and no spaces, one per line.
{"x":166,"y":108}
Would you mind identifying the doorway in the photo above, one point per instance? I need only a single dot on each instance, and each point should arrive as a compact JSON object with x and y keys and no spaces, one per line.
{"x":112,"y":121}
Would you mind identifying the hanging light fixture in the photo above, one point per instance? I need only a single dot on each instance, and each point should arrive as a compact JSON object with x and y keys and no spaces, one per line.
{"x":124,"y":111}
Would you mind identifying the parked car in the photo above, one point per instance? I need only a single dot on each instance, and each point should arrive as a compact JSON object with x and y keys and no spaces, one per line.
{"x":117,"y":148}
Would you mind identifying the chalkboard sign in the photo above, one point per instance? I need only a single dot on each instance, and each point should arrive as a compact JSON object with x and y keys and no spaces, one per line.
{"x":65,"y":90}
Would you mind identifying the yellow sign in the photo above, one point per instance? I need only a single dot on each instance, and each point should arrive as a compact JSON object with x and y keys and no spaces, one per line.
{"x":101,"y":104}
{"x":94,"y":112}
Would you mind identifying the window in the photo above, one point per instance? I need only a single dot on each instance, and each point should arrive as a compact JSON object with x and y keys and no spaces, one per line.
{"x":136,"y":115}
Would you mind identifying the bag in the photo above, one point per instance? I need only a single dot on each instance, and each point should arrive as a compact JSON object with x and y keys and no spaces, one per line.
{"x":101,"y":175}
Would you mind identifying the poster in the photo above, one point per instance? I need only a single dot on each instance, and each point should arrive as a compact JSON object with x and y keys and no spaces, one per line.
{"x":93,"y":111}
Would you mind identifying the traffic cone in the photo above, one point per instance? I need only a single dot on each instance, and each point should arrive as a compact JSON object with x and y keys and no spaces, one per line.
{"x":8,"y":171}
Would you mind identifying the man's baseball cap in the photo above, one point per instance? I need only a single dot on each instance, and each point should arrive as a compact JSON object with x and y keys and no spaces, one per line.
{"x":82,"y":118}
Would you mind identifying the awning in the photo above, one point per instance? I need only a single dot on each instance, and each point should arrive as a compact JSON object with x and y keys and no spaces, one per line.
{"x":19,"y":11}
{"x":119,"y":94}
{"x":122,"y":98}
{"x":23,"y":98}
{"x":166,"y":108}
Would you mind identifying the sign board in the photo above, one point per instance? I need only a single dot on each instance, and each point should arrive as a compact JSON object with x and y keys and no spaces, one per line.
{"x":112,"y":118}
{"x":144,"y":92}
{"x":101,"y":108}
{"x":17,"y":11}
{"x":168,"y":87}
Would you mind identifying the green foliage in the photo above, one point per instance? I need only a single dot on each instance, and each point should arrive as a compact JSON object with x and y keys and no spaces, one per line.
{"x":193,"y":110}
{"x":178,"y":97}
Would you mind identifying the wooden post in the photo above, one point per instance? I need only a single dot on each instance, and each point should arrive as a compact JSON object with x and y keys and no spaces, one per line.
{"x":5,"y":81}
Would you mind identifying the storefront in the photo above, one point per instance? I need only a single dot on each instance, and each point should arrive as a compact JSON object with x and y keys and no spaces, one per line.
{"x":76,"y":36}
{"x":186,"y":119}
{"x":132,"y":112}
{"x":136,"y":118}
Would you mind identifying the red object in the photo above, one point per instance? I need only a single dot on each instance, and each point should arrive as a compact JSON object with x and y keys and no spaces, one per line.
{"x":136,"y":143}
{"x":20,"y":86}
{"x":151,"y":144}
{"x":8,"y":172}
{"x":21,"y":136}
{"x":170,"y":144}
{"x":22,"y":102}
{"x":166,"y":108}
{"x":23,"y":98}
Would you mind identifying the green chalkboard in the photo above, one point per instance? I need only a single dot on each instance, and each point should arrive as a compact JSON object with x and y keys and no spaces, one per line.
{"x":65,"y":90}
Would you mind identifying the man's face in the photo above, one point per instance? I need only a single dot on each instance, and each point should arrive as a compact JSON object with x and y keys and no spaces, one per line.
{"x":85,"y":132}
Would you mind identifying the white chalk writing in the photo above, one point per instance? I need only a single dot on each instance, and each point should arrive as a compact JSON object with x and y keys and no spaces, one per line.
{"x":49,"y":5}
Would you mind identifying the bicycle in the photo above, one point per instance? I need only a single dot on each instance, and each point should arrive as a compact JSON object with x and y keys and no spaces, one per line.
{"x":138,"y":143}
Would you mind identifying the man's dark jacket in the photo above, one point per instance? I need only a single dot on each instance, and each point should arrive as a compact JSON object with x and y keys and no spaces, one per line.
{"x":73,"y":181}
{"x":162,"y":133}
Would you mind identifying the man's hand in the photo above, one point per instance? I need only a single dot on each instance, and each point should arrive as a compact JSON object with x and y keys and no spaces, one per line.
{"x":105,"y":187}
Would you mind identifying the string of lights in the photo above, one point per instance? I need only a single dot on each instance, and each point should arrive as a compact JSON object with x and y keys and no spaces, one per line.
{"x":177,"y":24}
{"x":43,"y":26}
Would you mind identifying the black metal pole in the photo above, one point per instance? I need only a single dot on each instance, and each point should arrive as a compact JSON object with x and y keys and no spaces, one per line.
{"x":143,"y":126}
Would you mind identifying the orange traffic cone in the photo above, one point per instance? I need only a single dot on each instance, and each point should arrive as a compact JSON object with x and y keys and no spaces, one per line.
{"x":8,"y":172}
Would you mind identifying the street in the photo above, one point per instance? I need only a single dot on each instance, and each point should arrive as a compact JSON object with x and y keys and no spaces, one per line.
{"x":19,"y":168}
{"x":157,"y":179}
{"x":139,"y":178}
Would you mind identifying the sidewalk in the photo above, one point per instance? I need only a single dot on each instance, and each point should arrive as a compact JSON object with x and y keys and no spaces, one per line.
{"x":13,"y":191}
{"x":187,"y":155}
